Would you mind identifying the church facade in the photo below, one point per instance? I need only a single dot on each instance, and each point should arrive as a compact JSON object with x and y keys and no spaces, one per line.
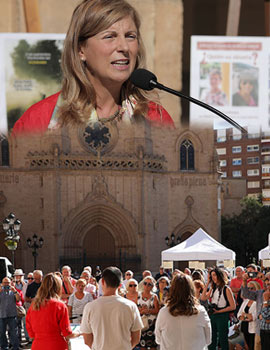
{"x":109,"y":195}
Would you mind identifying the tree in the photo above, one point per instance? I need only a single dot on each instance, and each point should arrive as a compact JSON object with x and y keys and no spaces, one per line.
{"x":247,"y":233}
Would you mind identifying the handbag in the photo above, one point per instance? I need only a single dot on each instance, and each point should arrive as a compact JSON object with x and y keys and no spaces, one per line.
{"x":20,"y":311}
{"x":145,"y":323}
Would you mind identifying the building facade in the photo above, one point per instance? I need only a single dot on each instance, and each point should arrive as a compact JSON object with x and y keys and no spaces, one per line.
{"x":110,"y":199}
{"x":245,"y":157}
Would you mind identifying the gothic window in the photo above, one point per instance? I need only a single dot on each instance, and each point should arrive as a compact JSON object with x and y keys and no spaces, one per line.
{"x":4,"y":152}
{"x":187,"y":155}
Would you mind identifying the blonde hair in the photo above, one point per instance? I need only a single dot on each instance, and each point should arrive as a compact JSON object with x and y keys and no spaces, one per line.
{"x":131,"y":281}
{"x":50,"y":288}
{"x":89,"y":18}
{"x":81,"y":281}
{"x":254,"y":284}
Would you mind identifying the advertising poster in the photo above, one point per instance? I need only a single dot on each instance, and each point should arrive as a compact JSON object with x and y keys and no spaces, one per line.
{"x":232,"y":75}
{"x":29,"y":72}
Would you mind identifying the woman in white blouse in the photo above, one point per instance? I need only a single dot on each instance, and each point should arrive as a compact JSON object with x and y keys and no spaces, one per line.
{"x":183,"y":323}
{"x":248,"y":315}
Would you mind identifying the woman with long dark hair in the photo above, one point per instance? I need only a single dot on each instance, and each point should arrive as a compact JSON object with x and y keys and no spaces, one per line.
{"x":222,"y":303}
{"x":183,"y":323}
{"x":47,"y":319}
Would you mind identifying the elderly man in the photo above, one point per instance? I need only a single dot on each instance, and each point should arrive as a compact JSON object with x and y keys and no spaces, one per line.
{"x":236,"y":282}
{"x":68,"y":283}
{"x":32,"y":288}
{"x":8,"y":314}
{"x":262,"y":298}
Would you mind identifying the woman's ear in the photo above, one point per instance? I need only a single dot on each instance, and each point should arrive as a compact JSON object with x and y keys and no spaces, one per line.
{"x":81,"y":54}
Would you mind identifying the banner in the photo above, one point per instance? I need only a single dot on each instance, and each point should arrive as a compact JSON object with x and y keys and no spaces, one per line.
{"x":29,"y":72}
{"x":232,"y":75}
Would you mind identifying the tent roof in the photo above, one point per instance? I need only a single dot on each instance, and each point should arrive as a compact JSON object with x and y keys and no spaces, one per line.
{"x":200,"y":246}
{"x":264,"y":253}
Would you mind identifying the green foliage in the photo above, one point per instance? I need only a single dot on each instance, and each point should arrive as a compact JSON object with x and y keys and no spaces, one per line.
{"x":247,"y":233}
{"x":40,"y":61}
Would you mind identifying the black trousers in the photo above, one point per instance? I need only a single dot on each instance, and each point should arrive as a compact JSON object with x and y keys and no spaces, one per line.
{"x":265,"y":339}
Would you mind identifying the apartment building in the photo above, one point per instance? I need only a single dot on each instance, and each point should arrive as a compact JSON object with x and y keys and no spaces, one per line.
{"x":246,"y":157}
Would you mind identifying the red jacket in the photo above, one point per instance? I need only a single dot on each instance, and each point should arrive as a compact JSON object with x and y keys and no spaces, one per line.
{"x":38,"y":116}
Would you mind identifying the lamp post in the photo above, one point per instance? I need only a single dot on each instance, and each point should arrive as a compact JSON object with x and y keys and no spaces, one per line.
{"x":35,"y":244}
{"x":12,"y":226}
{"x":170,"y":241}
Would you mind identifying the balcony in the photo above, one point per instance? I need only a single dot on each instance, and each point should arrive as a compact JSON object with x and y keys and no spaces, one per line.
{"x":265,"y":150}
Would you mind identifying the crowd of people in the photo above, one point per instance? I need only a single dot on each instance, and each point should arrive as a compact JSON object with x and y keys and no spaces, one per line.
{"x":173,"y":309}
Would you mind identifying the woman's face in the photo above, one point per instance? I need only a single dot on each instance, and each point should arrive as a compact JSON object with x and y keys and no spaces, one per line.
{"x":148,"y":284}
{"x":214,"y":277}
{"x":132,"y":287}
{"x":80,"y":287}
{"x":246,"y":87}
{"x":215,"y":80}
{"x":111,"y":54}
{"x":162,"y":284}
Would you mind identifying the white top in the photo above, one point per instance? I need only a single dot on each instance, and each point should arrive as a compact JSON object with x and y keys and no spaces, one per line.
{"x":78,"y":305}
{"x":90,"y":288}
{"x":183,"y":332}
{"x":252,"y":311}
{"x":218,"y":298}
{"x":111,"y":319}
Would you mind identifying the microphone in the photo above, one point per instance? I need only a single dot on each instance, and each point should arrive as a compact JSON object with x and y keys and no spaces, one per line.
{"x":146,"y":80}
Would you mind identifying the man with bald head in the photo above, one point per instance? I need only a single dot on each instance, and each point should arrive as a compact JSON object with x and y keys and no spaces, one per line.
{"x":8,"y":314}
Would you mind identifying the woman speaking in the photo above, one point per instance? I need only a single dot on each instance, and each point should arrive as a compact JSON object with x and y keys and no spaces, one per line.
{"x":47,"y":319}
{"x":102,"y":48}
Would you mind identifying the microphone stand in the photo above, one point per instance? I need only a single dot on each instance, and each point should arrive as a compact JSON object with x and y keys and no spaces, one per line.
{"x":155,"y":84}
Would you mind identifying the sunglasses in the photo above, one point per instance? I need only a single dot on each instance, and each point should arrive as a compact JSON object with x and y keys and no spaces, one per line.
{"x":30,"y":278}
{"x":133,"y":285}
{"x":148,"y":284}
{"x":250,"y":288}
{"x":128,"y":274}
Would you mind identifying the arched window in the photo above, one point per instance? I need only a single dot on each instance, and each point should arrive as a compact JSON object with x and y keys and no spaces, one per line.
{"x":187,"y":155}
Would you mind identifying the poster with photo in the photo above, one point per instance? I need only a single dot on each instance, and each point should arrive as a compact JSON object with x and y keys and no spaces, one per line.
{"x":230,"y":74}
{"x":29,"y":72}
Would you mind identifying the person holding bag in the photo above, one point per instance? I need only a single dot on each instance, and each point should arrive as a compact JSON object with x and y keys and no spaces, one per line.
{"x":221,"y":304}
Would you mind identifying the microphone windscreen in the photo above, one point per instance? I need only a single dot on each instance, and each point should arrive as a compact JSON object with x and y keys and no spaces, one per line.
{"x":142,"y":79}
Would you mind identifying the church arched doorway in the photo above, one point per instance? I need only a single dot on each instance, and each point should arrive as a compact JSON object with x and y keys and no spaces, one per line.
{"x":99,"y":248}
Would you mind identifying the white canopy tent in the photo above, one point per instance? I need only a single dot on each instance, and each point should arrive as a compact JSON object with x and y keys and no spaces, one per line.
{"x":200,"y":246}
{"x":264,"y":253}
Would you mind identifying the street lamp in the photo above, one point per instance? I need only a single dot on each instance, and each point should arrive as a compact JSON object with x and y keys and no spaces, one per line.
{"x":35,"y":245}
{"x":170,"y":241}
{"x":12,"y":226}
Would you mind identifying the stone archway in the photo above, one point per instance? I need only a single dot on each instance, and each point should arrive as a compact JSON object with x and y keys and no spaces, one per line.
{"x":99,"y":217}
{"x":108,"y":229}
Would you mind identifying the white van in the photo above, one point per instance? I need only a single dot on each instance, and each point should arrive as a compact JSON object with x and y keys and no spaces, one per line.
{"x":6,"y":268}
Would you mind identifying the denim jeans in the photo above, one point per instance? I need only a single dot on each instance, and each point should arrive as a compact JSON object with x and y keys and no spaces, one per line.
{"x":11,"y":322}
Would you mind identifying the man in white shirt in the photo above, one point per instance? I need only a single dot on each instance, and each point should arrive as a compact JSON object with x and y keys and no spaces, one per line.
{"x":111,"y":322}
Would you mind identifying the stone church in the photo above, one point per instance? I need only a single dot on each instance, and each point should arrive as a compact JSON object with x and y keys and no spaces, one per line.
{"x":112,"y":196}
{"x":109,"y":196}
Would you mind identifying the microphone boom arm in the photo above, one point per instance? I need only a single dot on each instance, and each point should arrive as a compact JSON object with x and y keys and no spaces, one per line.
{"x":157,"y":85}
